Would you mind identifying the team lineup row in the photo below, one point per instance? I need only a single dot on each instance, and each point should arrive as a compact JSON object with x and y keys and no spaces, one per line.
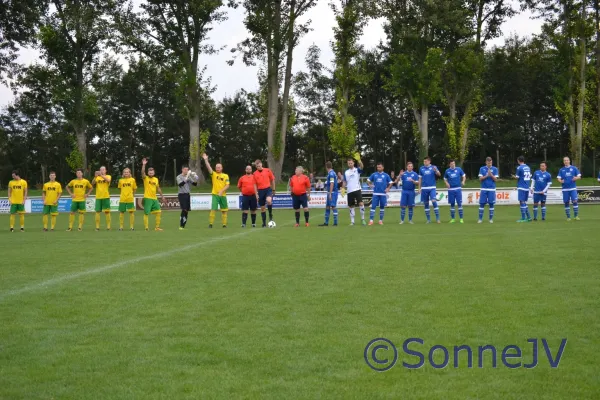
{"x":258,"y":188}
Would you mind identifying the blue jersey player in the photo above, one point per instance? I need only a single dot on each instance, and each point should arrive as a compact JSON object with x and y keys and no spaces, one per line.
{"x":331,"y":185}
{"x":381,"y":184}
{"x":523,"y":176}
{"x":539,"y":187}
{"x":409,"y":180}
{"x":488,"y":175}
{"x":427,"y":174}
{"x":568,"y":176}
{"x":455,"y":180}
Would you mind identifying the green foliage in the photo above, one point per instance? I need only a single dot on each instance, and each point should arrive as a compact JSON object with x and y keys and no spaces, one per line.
{"x":75,"y":159}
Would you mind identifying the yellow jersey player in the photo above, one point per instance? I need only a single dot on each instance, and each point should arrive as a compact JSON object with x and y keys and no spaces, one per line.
{"x":220,"y":183}
{"x":81,"y":190}
{"x":102,"y":181}
{"x":51,"y":193}
{"x":128,"y":187}
{"x":17,"y":194}
{"x":150,"y":201}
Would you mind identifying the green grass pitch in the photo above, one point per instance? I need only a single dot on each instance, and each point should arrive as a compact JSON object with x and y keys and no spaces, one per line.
{"x":286,"y":313}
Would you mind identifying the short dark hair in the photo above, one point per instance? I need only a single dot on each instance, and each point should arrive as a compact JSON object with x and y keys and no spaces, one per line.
{"x":52,"y":172}
{"x":410,"y":162}
{"x":380,"y":163}
{"x":521,"y":159}
{"x":350,"y":159}
{"x":328,"y":164}
{"x":79,"y":169}
{"x":151,"y":168}
{"x":544,"y":162}
{"x":450,"y":161}
{"x":427,"y":158}
{"x":16,"y":172}
{"x":184,"y":166}
{"x":257,"y":161}
{"x":488,"y":159}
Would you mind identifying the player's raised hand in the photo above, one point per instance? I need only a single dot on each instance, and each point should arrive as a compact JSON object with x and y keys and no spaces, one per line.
{"x":144,"y":161}
{"x":204,"y":156}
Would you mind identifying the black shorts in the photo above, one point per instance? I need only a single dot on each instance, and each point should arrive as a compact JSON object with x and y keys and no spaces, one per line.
{"x":263,"y":194}
{"x":249,"y":203}
{"x":299,"y":201}
{"x":355,"y":198}
{"x":185,"y":203}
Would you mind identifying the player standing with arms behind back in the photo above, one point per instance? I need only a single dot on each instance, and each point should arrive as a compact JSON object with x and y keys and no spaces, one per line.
{"x":247,"y":186}
{"x":381,"y":183}
{"x":300,"y":188}
{"x":102,"y":182}
{"x":127,"y":186}
{"x":184,"y":180}
{"x":523,"y":186}
{"x":352,"y":185}
{"x":332,"y":195}
{"x":539,"y":187}
{"x":409,"y":180}
{"x":488,"y":175}
{"x":265,"y":182}
{"x":78,"y":196}
{"x":427,"y":174}
{"x":51,"y":193}
{"x":455,"y":179}
{"x":220,"y":183}
{"x":568,"y":177}
{"x":150,"y":201}
{"x":17,"y":194}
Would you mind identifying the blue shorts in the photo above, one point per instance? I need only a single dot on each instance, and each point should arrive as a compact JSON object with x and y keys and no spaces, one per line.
{"x":455,"y":196}
{"x":379,"y":200}
{"x":523,"y":195}
{"x":263,"y":194}
{"x":299,"y":201}
{"x":333,"y":201}
{"x":407,"y":199}
{"x":570,"y":195}
{"x":249,"y":203}
{"x":428,"y":194}
{"x":487,"y":197}
{"x":539,"y":198}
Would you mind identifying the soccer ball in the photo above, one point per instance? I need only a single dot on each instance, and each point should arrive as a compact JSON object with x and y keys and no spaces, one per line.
{"x":272,"y":224}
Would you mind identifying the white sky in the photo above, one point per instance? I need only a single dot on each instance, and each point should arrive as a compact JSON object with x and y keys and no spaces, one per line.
{"x":230,"y":79}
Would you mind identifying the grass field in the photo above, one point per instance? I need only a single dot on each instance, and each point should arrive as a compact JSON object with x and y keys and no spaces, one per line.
{"x":286,"y":313}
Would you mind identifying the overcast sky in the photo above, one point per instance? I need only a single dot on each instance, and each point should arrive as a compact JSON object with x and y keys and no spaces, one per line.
{"x":230,"y":79}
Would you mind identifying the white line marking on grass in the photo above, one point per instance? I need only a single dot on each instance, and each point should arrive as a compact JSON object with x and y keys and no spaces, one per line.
{"x":120,"y":264}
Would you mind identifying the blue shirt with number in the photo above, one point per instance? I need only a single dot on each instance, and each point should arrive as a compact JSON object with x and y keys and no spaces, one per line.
{"x":331,"y":178}
{"x":524,"y":177}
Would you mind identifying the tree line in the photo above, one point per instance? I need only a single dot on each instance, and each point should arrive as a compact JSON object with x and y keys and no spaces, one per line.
{"x":432,"y":87}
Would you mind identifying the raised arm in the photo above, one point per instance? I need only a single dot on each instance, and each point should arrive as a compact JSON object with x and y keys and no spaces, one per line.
{"x":144,"y":162}
{"x":205,"y":157}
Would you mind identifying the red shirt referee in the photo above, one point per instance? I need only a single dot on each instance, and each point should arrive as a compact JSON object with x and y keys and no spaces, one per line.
{"x":300,"y":188}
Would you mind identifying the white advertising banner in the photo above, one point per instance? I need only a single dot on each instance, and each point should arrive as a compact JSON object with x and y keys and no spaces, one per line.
{"x":203,"y":201}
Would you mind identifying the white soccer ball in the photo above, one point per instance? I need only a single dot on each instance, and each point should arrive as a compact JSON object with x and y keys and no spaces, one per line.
{"x":272,"y":224}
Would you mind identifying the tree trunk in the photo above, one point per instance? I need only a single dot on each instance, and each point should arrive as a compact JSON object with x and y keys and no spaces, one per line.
{"x":581,"y":97}
{"x":464,"y":136}
{"x":82,"y":145}
{"x":278,"y":165}
{"x":424,"y":145}
{"x":273,"y":53}
{"x":195,"y":162}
